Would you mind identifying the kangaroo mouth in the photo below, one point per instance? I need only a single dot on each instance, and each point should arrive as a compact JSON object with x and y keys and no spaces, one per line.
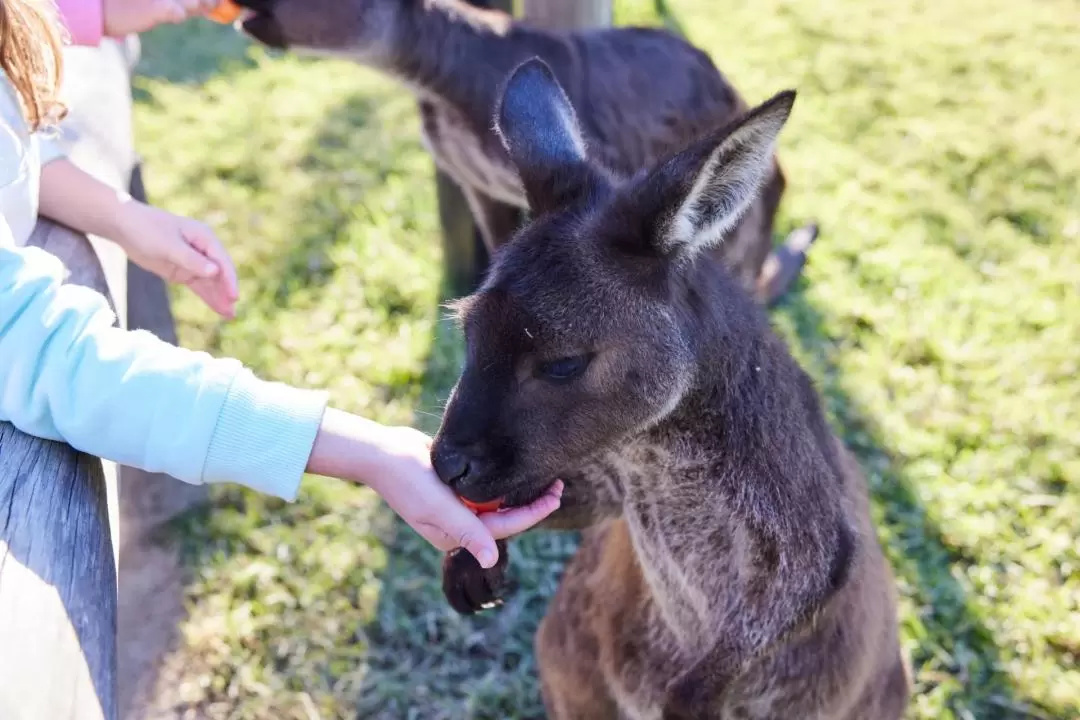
{"x":504,"y":496}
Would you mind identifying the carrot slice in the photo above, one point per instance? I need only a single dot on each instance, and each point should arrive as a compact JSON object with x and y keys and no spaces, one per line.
{"x":226,"y":12}
{"x":483,"y":507}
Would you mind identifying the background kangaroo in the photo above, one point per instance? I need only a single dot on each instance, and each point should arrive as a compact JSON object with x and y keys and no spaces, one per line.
{"x":729,"y":568}
{"x":641,"y":94}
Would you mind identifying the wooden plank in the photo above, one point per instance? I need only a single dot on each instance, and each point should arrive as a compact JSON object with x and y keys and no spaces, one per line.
{"x":100,"y":137}
{"x":464,"y":255}
{"x":58,"y":610}
{"x":57,"y":584}
{"x":568,"y":14}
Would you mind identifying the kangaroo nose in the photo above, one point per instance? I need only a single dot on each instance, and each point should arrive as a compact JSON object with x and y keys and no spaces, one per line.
{"x":451,"y":465}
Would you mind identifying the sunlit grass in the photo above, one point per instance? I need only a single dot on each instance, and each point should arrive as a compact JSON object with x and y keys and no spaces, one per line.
{"x":936,"y":143}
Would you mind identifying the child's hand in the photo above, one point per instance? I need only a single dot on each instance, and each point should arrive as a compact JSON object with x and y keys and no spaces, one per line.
{"x":396,"y":463}
{"x":123,"y":17}
{"x":409,"y":485}
{"x":180,"y":250}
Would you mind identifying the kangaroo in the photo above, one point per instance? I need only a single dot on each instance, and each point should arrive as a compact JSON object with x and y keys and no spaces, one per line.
{"x":728,"y":566}
{"x":641,"y":94}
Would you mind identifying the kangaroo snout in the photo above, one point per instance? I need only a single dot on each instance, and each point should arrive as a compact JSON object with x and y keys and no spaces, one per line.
{"x":451,"y":464}
{"x":465,"y":468}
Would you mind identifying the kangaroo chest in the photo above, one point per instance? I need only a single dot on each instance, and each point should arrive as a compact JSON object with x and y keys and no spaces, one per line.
{"x":644,"y":590}
{"x":605,"y":598}
{"x":474,"y":161}
{"x":637,"y":652}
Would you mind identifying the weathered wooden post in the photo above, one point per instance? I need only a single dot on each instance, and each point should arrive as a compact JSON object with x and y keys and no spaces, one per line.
{"x":464,"y":254}
{"x":61,"y":538}
{"x":99,"y":133}
{"x":58,"y":609}
{"x":568,"y":14}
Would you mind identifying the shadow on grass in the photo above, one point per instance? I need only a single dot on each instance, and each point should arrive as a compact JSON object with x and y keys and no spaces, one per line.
{"x":418,"y":659}
{"x":952,"y":652}
{"x":306,"y":265}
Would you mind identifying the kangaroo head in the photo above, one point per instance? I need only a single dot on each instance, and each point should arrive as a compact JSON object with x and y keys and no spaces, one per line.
{"x":371,"y":31}
{"x":583,"y":333}
{"x":359,"y":28}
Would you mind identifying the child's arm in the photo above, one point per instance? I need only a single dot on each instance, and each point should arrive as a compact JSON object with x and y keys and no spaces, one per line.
{"x":66,"y":373}
{"x":88,"y":21}
{"x":178,"y":249}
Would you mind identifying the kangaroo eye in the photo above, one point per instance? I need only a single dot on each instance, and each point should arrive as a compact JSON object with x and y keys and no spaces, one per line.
{"x":564,"y":369}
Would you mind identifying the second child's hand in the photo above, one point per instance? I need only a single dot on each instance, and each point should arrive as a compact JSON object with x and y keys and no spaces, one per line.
{"x":126,"y":17}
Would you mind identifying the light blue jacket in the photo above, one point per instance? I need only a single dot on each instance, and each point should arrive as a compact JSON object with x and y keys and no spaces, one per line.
{"x":66,"y":373}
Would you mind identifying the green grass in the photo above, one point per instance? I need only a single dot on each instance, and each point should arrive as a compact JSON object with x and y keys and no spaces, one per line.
{"x":937,"y":143}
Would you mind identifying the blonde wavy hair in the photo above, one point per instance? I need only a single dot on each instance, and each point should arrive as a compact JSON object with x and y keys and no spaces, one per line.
{"x":30,"y":55}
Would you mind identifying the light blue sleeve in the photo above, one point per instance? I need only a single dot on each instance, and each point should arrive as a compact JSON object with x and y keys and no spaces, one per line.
{"x":66,"y":373}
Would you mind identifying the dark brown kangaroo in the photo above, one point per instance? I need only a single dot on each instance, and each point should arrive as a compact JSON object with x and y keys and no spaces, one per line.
{"x":640,"y":93}
{"x":729,"y":567}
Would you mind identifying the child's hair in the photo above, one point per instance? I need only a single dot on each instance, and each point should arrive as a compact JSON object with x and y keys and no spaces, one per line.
{"x":30,"y":55}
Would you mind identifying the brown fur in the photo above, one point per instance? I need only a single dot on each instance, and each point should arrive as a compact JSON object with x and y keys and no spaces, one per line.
{"x":729,"y":567}
{"x":641,"y":94}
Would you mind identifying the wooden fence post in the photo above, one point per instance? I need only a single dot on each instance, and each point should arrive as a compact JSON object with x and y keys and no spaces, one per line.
{"x":58,"y":607}
{"x":568,"y":14}
{"x":464,"y":255}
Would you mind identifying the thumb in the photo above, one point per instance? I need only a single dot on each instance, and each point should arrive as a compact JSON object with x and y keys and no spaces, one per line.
{"x":506,"y":523}
{"x":191,"y":260}
{"x":478,"y":541}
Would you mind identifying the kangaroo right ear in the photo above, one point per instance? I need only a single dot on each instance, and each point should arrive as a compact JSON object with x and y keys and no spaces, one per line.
{"x":728,"y":180}
{"x":696,"y":196}
{"x":539,"y":129}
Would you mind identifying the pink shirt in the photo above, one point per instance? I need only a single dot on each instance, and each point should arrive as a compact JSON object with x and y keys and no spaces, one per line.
{"x":84,"y":19}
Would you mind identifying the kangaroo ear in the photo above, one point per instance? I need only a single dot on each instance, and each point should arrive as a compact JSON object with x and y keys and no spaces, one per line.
{"x":539,"y":129}
{"x":703,"y":191}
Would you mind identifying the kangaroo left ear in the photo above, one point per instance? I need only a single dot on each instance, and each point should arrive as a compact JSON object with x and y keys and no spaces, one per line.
{"x":539,"y":129}
{"x":702,"y":192}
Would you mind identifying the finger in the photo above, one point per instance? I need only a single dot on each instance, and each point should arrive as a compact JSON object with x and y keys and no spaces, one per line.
{"x":518,"y":520}
{"x":230,"y":283}
{"x":188,"y":259}
{"x":205,"y":241}
{"x":474,"y":537}
{"x":221,"y":295}
{"x":212,"y":293}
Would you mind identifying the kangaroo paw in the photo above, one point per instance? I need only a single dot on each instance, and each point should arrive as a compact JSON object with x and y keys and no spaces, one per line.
{"x":470,"y":588}
{"x":784,"y":264}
